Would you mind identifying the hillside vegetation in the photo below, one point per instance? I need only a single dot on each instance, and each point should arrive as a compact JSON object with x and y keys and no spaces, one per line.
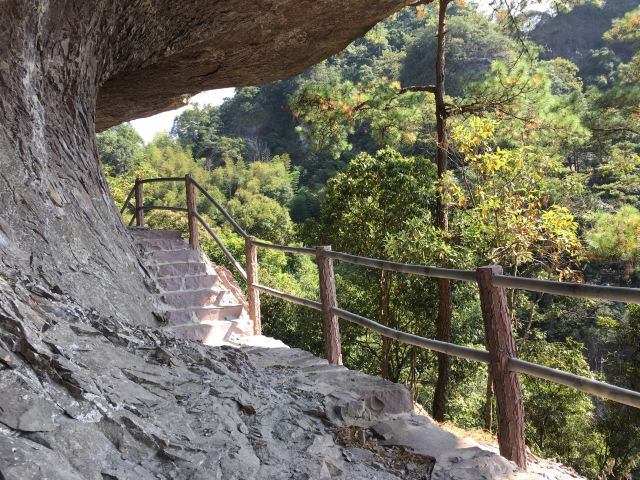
{"x":543,"y":178}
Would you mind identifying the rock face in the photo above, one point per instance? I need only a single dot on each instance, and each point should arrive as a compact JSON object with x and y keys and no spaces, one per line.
{"x":68,"y":67}
{"x":84,"y":396}
{"x":195,"y":45}
{"x":90,"y":387}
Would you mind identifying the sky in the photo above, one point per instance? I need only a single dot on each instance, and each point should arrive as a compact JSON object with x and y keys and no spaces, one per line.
{"x":150,"y":126}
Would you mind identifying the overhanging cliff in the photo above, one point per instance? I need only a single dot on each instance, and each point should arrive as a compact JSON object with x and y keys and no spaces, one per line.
{"x":69,"y":67}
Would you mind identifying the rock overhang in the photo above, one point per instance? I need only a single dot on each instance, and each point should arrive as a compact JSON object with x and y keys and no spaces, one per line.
{"x":189,"y":47}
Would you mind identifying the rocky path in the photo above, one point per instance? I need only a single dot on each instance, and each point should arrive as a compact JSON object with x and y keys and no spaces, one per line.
{"x":84,"y":396}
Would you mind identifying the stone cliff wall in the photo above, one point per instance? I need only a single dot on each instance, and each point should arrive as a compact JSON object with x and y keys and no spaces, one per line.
{"x":69,"y":66}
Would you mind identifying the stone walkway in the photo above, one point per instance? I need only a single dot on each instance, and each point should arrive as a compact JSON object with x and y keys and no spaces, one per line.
{"x":84,"y":396}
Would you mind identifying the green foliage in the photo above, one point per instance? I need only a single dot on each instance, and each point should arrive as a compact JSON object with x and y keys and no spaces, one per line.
{"x":119,"y":148}
{"x":560,"y":420}
{"x":616,"y":237}
{"x":331,"y":113}
{"x":507,"y":214}
{"x":376,"y":199}
{"x":626,"y":28}
{"x":621,"y":424}
{"x":473,"y":43}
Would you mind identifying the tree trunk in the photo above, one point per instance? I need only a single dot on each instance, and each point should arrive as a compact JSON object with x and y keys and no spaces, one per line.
{"x":443,"y":322}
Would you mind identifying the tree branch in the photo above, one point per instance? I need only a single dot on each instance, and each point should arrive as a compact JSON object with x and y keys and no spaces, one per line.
{"x":419,"y":88}
{"x":420,"y":2}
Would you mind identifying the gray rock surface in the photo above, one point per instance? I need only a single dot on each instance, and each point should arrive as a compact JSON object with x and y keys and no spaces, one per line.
{"x":69,"y":67}
{"x":94,"y":397}
{"x":90,"y":387}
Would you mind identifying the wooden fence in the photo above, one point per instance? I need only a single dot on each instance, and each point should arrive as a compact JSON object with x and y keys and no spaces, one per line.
{"x":500,"y":354}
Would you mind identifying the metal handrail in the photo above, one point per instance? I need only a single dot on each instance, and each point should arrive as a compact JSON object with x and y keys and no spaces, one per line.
{"x":411,"y":339}
{"x":305,"y":302}
{"x":577,"y":382}
{"x":568,"y":289}
{"x":284,"y":248}
{"x":127,"y":201}
{"x":161,"y":179}
{"x":433,"y":272}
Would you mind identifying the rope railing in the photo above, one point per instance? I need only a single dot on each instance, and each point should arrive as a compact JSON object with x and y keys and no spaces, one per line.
{"x":500,"y":340}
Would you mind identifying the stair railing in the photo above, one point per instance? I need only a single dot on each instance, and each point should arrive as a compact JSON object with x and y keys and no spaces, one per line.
{"x":500,"y":354}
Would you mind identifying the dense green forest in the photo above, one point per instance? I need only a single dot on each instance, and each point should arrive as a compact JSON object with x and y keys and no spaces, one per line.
{"x":543,"y":177}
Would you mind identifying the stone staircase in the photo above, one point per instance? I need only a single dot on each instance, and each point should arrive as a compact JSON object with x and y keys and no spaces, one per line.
{"x":201,"y":300}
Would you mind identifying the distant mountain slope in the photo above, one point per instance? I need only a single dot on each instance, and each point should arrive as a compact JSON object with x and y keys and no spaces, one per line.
{"x":576,"y":34}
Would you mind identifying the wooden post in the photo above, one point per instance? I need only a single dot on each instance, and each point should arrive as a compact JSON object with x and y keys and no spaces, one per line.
{"x":252,"y":278}
{"x":139,"y":204}
{"x":506,"y":386}
{"x":330,"y":325}
{"x":194,"y":242}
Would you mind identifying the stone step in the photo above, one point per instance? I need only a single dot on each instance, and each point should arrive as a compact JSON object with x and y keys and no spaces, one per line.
{"x":213,"y":333}
{"x":188,"y":282}
{"x":194,"y":298}
{"x":149,"y":233}
{"x":171,"y":256}
{"x":197,"y":332}
{"x":151,"y":245}
{"x":177,"y":269}
{"x":202,"y":314}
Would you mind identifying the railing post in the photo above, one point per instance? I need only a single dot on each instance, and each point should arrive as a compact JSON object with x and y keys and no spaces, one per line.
{"x":330,"y":325}
{"x":251,"y":252}
{"x":139,"y":203}
{"x":506,"y":386}
{"x":194,"y":242}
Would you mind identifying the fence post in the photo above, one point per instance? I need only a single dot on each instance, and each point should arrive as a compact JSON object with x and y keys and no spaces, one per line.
{"x":139,"y":203}
{"x":330,"y":325}
{"x":194,"y":242}
{"x":252,"y":278}
{"x":506,"y":386}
